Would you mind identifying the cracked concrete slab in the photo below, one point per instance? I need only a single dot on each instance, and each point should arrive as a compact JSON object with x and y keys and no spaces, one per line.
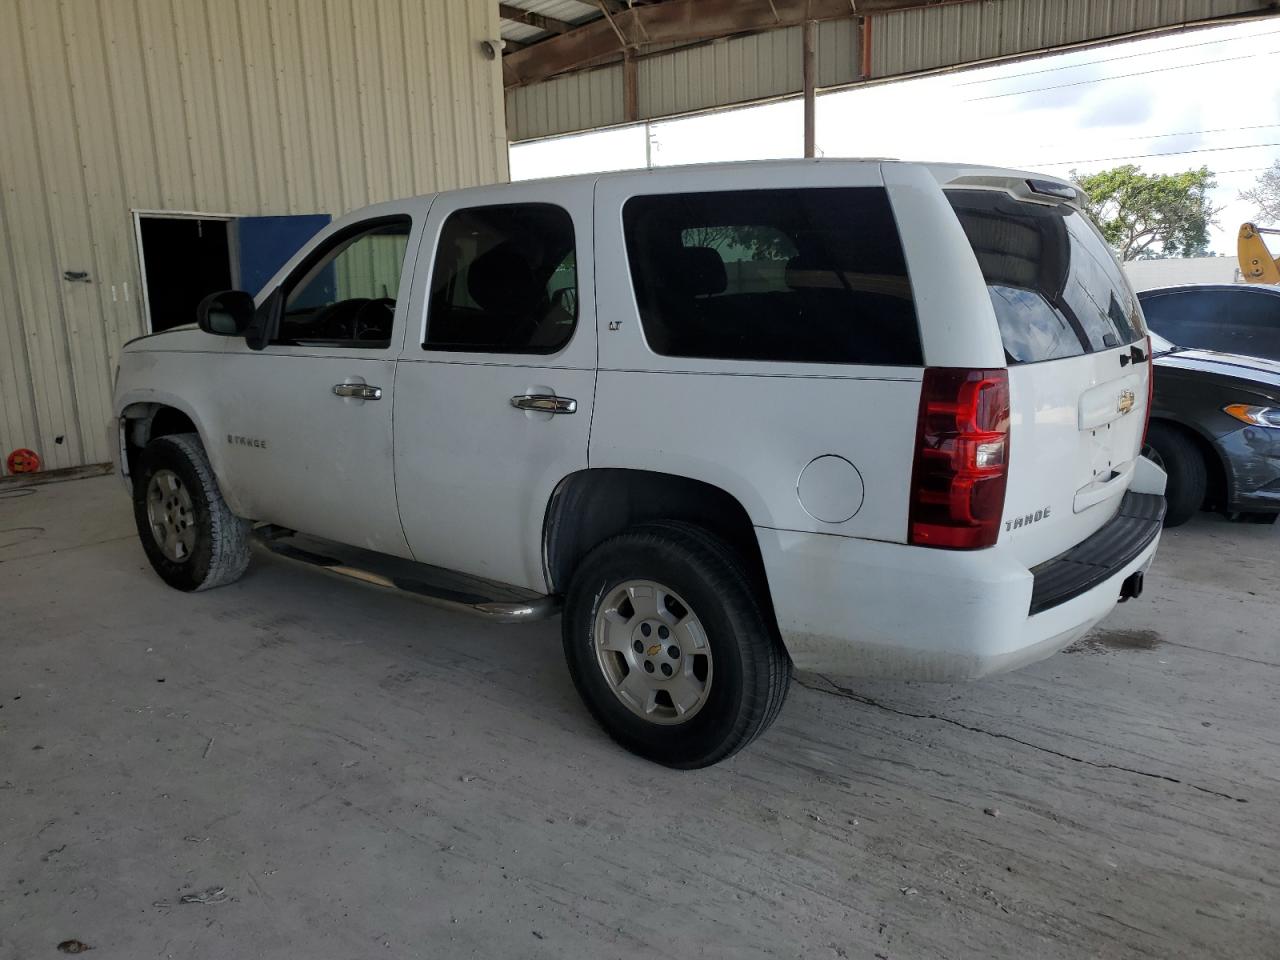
{"x":363,"y":775}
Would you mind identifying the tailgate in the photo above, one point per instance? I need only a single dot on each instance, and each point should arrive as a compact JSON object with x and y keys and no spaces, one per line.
{"x":1074,"y":439}
{"x":1079,"y":367}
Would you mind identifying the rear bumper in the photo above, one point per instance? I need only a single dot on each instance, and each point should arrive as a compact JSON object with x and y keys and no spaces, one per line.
{"x":1097,"y":558}
{"x":869,"y":609}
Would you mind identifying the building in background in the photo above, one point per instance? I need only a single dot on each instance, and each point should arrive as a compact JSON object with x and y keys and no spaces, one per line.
{"x":1150,"y":274}
{"x":135,"y":133}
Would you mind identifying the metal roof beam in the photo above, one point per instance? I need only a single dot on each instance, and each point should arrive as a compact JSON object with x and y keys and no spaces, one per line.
{"x":542,"y":22}
{"x":678,"y":21}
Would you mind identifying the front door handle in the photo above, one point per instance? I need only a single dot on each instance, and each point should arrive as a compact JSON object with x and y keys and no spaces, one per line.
{"x":357,"y":391}
{"x":544,"y":403}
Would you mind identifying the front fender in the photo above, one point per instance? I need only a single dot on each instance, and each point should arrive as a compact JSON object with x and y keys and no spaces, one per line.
{"x":147,"y":401}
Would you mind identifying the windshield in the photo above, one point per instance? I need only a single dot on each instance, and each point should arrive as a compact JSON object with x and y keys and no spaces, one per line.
{"x":1055,"y":286}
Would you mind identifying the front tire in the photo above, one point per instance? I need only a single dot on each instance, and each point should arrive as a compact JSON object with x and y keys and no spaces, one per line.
{"x":190,"y":535}
{"x":669,"y":646}
{"x":1188,"y":474}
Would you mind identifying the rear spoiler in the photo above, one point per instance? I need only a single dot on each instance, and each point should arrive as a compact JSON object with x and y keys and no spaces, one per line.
{"x":1030,"y":189}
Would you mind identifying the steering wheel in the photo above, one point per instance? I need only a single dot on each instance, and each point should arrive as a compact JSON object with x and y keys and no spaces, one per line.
{"x":333,"y":321}
{"x":372,"y":320}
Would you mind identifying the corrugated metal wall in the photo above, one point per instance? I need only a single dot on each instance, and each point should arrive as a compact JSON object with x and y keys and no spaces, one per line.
{"x":575,"y":101}
{"x":235,"y":106}
{"x":768,"y":65}
{"x":928,"y":38}
{"x":739,"y":70}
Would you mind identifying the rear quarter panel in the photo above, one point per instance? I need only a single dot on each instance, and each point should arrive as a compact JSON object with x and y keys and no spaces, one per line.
{"x":748,"y":427}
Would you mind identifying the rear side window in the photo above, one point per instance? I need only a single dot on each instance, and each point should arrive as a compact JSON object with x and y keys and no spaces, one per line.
{"x":1057,"y":290}
{"x":808,"y":276}
{"x":505,"y":280}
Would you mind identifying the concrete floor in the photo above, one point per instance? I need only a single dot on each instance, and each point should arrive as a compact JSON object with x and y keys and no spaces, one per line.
{"x":366,"y":776}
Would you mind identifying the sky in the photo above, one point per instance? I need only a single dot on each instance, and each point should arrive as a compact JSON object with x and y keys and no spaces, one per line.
{"x":1203,"y":97}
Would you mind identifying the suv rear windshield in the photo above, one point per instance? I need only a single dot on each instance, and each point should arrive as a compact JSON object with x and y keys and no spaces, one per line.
{"x":1056,"y":288}
{"x":808,"y":276}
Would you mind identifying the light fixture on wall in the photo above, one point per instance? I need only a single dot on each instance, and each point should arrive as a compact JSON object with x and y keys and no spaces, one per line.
{"x":491,"y":48}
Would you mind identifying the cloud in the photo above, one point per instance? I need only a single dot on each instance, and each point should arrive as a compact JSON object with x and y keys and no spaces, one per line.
{"x":1118,"y":110}
{"x":1054,"y":98}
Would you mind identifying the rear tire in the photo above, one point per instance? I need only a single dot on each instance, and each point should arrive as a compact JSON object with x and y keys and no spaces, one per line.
{"x":190,"y":535}
{"x":709,"y":647}
{"x":1188,"y":473}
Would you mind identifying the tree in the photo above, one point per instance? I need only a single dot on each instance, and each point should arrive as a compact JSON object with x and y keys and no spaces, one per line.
{"x":1149,"y":215}
{"x":1265,"y":196}
{"x":744,"y":242}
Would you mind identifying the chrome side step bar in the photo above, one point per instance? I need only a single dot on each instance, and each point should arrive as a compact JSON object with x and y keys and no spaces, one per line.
{"x":495,"y":602}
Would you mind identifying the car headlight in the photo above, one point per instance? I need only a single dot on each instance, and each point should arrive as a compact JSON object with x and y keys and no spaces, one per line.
{"x":1254,"y":416}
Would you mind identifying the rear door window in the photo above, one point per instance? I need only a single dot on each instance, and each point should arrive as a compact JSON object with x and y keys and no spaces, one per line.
{"x":808,"y":276}
{"x":505,"y":280}
{"x":1055,"y":286}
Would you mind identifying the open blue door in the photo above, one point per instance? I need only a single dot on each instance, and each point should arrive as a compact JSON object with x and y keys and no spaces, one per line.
{"x":262,"y":245}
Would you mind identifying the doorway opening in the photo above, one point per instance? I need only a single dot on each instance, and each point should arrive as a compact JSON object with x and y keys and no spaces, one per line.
{"x":184,"y":257}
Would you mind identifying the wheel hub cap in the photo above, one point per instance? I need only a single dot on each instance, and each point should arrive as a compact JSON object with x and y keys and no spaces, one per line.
{"x":653,"y":652}
{"x":170,"y":514}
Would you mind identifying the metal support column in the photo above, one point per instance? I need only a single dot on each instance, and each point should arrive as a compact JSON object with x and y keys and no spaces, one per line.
{"x":810,"y":31}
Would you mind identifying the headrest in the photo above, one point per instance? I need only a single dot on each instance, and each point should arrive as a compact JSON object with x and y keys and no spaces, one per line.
{"x":501,"y":281}
{"x":700,"y":271}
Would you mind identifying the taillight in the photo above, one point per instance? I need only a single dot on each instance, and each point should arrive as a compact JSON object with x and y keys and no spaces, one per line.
{"x":1151,"y":389}
{"x":962,"y":458}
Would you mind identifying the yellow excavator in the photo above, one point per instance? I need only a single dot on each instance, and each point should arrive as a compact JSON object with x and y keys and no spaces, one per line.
{"x":1257,"y":265}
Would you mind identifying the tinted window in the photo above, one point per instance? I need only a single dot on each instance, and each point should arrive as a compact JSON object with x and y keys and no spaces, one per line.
{"x":1245,"y":320}
{"x":346,"y":295}
{"x":1056,"y":288}
{"x":813,"y":276}
{"x":1177,"y":316}
{"x":505,"y":281}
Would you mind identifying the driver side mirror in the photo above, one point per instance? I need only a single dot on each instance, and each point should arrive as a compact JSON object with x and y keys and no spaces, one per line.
{"x":225,"y":314}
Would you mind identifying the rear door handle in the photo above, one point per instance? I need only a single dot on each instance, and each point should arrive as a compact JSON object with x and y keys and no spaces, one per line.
{"x":357,"y":391}
{"x":544,"y":403}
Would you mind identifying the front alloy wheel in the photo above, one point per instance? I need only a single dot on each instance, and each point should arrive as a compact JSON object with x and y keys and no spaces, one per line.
{"x":190,"y":535}
{"x":172,"y":519}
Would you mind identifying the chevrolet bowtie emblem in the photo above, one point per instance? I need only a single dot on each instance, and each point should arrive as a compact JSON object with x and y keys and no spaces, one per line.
{"x":1124,"y":403}
{"x":652,"y":651}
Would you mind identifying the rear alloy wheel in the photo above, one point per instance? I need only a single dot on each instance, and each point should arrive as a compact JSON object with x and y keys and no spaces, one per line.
{"x":668,"y":644}
{"x":1188,"y":474}
{"x":653,"y":651}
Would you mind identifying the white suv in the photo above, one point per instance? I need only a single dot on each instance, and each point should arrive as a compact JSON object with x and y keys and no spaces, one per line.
{"x":861,"y":417}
